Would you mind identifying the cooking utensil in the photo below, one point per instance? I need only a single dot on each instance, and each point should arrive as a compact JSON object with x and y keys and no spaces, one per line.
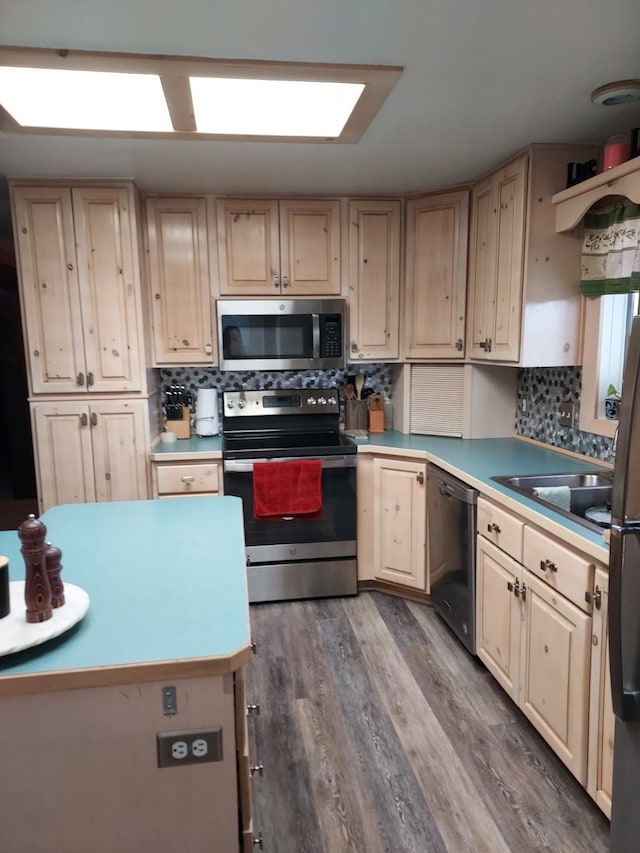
{"x":349,"y":392}
{"x":359,"y":385}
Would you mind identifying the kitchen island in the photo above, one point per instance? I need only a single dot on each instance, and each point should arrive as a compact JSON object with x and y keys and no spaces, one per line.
{"x":81,"y":713}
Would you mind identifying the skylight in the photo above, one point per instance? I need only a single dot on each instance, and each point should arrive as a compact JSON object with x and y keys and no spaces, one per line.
{"x":92,"y":100}
{"x":272,"y":107}
{"x":87,"y":93}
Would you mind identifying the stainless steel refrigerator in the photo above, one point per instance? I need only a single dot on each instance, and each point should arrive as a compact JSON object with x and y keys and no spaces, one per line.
{"x":624,"y":610}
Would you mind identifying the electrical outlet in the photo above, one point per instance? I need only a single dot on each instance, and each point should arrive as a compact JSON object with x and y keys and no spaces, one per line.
{"x":566,"y":411}
{"x":178,"y":748}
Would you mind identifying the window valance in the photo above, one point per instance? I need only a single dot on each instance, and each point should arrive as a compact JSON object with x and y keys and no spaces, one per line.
{"x":611,"y":249}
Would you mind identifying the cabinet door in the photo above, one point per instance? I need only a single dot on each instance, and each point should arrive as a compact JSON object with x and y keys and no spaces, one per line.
{"x":374,"y":279}
{"x":482,"y":268}
{"x":400,"y":515}
{"x":511,"y":185}
{"x":310,"y":247}
{"x":601,"y":716}
{"x":555,"y":655}
{"x":436,"y":276}
{"x":181,"y":303}
{"x":119,"y":450}
{"x":63,"y":453}
{"x":54,"y":342}
{"x":498,"y":615}
{"x":248,"y":247}
{"x":109,"y":288}
{"x":496,"y":264}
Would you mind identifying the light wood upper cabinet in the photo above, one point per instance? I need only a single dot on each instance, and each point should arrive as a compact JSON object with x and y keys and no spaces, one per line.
{"x":267,"y":247}
{"x":524,"y":300}
{"x":400,"y":520}
{"x":374,"y":280}
{"x":80,"y":288}
{"x":87,"y":452}
{"x":497,"y":246}
{"x":435,"y":295}
{"x":179,"y":283}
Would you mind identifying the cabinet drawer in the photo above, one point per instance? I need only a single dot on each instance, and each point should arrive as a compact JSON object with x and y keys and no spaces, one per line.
{"x":186,"y":479}
{"x":500,"y":527}
{"x":569,"y":573}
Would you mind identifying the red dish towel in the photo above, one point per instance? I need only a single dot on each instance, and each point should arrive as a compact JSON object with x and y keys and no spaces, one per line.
{"x":287,"y":488}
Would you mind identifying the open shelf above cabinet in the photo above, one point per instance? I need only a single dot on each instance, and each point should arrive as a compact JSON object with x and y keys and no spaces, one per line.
{"x":572,"y":203}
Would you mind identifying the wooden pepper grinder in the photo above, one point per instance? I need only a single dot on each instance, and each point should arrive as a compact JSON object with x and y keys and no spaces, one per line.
{"x":52,"y":558}
{"x":37,"y":590}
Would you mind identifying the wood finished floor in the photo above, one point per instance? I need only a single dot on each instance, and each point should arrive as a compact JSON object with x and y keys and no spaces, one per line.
{"x":378,"y":732}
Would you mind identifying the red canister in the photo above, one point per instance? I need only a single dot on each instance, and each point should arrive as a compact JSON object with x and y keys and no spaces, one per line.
{"x":616,"y":150}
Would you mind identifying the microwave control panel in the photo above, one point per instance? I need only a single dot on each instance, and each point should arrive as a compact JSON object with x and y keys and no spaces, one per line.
{"x":330,"y":336}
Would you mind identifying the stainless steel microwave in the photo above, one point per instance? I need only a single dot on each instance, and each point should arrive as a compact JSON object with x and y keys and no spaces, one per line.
{"x":281,"y":334}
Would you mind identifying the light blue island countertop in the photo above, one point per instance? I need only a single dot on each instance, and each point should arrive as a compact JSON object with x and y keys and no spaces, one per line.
{"x":167,"y":586}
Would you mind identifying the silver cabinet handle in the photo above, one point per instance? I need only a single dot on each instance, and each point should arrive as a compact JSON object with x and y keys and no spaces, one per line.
{"x":285,"y":281}
{"x":548,"y":565}
{"x":276,"y":281}
{"x":90,"y":379}
{"x":84,"y":419}
{"x":94,"y":419}
{"x":187,"y":478}
{"x":80,"y":378}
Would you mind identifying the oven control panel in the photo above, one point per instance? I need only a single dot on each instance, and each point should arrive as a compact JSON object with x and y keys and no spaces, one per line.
{"x":277,"y":401}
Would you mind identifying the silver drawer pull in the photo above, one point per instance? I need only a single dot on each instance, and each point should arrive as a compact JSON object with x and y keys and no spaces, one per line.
{"x":256,"y":768}
{"x":187,"y":478}
{"x":547,"y":565}
{"x":253,"y":709}
{"x":493,"y":528}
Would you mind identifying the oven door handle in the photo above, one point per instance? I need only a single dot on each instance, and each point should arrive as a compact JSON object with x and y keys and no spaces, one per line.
{"x":245,"y":466}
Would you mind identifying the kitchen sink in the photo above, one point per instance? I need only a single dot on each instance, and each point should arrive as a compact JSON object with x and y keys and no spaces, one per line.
{"x":587,"y":490}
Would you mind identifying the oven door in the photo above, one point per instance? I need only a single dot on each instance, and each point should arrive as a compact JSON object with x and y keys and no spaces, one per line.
{"x":330,"y":534}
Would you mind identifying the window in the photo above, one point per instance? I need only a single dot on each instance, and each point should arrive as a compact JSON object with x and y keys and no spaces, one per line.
{"x":606,"y":334}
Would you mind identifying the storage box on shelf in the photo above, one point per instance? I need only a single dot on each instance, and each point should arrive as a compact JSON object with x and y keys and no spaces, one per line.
{"x":534,"y":628}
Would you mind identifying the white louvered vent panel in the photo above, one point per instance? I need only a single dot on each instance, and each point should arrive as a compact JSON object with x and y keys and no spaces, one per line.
{"x":437,"y":399}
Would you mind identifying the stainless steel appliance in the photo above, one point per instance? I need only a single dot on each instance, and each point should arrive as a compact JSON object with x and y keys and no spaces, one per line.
{"x":451,"y":514}
{"x":624,"y":609}
{"x":280,"y":334}
{"x":293,"y":556}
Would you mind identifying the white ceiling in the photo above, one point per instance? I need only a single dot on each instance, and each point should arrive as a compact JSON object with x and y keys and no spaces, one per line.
{"x":482,"y":78}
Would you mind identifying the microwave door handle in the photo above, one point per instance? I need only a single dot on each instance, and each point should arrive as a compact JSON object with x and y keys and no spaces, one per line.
{"x":315,"y":320}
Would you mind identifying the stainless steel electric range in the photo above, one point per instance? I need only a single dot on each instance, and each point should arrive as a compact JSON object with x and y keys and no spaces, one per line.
{"x":292,"y":554}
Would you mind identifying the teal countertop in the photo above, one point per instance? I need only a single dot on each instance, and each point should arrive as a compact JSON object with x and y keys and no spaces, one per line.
{"x":477,"y":460}
{"x":166,"y":581}
{"x":195,"y":447}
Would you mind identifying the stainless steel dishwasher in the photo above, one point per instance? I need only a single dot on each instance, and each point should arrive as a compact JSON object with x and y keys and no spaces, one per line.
{"x":451,"y":519}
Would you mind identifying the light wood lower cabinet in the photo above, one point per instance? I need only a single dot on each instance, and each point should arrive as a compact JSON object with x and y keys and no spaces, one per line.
{"x":186,"y":479}
{"x":601,"y":716}
{"x":399,"y":521}
{"x":88,"y":452}
{"x":537,"y":644}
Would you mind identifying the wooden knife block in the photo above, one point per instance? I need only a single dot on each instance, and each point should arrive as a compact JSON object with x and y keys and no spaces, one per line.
{"x":181,"y":428}
{"x":376,"y":413}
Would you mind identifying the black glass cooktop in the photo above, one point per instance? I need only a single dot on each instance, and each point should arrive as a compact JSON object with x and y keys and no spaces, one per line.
{"x":287,"y":444}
